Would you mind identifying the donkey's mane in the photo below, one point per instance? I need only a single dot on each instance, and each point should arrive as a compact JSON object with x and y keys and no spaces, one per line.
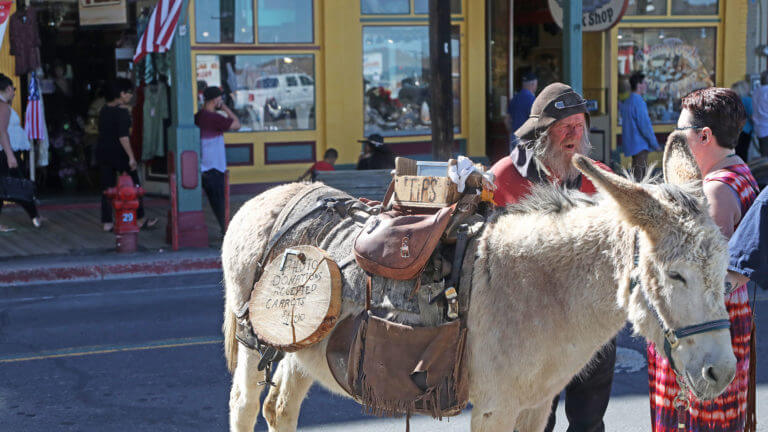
{"x":547,"y":199}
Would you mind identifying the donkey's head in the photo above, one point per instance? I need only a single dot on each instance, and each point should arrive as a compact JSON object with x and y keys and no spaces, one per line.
{"x":673,"y":290}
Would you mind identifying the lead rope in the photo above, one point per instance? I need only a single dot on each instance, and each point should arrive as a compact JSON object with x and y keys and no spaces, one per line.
{"x":681,"y":403}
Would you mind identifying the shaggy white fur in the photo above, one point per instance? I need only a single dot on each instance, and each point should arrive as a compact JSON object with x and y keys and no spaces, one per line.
{"x":550,"y":285}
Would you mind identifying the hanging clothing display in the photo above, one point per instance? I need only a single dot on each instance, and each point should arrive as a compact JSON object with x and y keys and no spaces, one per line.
{"x":155,"y":112}
{"x":24,"y":36}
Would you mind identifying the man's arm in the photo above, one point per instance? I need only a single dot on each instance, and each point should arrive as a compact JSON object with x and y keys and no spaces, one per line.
{"x":126,"y":143}
{"x":644,"y":124}
{"x":724,"y":206}
{"x":5,"y":139}
{"x":748,"y":247}
{"x":235,"y":121}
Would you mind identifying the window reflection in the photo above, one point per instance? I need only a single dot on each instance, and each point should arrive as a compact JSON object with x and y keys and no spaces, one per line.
{"x":396,"y":80}
{"x":224,"y":21}
{"x":647,"y":7}
{"x":385,"y":6}
{"x":694,"y":7}
{"x":267,"y":92}
{"x":675,"y":62}
{"x":422,"y":6}
{"x":285,"y":21}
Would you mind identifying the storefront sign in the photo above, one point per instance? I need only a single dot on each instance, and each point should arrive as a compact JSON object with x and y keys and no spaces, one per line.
{"x":597,"y":15}
{"x":102,"y":12}
{"x":674,"y":68}
{"x":208,"y":70}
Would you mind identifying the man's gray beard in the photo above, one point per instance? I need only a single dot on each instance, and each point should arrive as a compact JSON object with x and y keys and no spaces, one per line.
{"x":558,"y":162}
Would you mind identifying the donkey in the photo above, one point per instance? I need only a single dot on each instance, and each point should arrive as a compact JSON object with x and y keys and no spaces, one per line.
{"x":553,"y":279}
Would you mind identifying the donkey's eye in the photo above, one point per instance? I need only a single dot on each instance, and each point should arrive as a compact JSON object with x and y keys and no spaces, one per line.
{"x":676,"y":276}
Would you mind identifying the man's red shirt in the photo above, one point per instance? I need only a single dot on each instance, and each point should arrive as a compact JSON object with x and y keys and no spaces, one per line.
{"x":322,"y":166}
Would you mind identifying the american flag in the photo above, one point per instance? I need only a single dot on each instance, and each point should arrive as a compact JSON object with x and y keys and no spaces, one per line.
{"x":160,"y":29}
{"x":35,"y":117}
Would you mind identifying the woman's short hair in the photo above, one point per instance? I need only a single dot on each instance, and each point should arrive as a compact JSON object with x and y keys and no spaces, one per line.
{"x":114,"y":88}
{"x":719,"y":109}
{"x":5,"y":82}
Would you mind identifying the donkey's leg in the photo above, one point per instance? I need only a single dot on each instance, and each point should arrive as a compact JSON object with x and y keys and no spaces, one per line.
{"x":283,"y":402}
{"x":534,"y":419}
{"x":245,"y":394}
{"x":496,"y":418}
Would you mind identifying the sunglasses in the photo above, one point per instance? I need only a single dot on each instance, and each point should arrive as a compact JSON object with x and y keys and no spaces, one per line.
{"x":688,"y":127}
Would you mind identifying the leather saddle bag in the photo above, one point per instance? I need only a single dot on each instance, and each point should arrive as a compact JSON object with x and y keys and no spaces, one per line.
{"x":395,"y":369}
{"x":396,"y":245}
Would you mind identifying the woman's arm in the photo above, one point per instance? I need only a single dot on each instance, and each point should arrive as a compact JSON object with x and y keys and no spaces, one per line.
{"x":724,"y":206}
{"x":5,"y":139}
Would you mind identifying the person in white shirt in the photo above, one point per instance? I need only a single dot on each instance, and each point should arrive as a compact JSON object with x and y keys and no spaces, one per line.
{"x":760,"y":113}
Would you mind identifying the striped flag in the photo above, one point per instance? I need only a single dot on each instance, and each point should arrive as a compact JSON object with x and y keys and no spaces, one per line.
{"x":35,"y":117}
{"x":160,"y":29}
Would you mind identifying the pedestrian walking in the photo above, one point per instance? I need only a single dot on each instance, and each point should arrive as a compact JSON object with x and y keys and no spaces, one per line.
{"x":745,"y":137}
{"x":14,"y":148}
{"x":519,"y":107}
{"x":329,"y":159}
{"x":637,"y":136}
{"x":213,"y":158}
{"x":760,"y":113}
{"x":113,"y":149}
{"x":555,"y":131}
{"x":711,"y":120}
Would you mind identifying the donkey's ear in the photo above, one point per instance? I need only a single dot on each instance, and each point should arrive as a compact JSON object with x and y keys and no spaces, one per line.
{"x":679,"y":164}
{"x":638,"y":206}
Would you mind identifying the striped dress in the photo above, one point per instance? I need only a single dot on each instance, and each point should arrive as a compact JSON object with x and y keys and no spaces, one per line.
{"x":728,"y":411}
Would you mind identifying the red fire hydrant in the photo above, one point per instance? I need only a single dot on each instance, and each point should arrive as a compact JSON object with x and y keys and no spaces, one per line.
{"x":125,"y":201}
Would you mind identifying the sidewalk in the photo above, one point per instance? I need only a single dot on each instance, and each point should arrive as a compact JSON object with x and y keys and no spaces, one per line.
{"x":71,"y":245}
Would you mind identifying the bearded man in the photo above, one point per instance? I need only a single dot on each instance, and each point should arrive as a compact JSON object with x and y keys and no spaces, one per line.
{"x":556,"y":130}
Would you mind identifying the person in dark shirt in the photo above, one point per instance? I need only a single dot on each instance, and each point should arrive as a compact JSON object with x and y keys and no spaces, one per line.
{"x":113,"y":149}
{"x":519,"y":107}
{"x":748,"y":247}
{"x":329,"y":159}
{"x":376,"y":154}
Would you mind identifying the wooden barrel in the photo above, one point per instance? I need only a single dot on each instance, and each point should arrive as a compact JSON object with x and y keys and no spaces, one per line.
{"x":297,"y":300}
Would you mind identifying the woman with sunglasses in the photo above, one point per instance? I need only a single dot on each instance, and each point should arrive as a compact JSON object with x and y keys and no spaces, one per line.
{"x":711,"y":120}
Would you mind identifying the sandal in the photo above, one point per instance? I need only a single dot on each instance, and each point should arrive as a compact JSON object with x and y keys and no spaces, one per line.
{"x":149,"y":224}
{"x":5,"y":229}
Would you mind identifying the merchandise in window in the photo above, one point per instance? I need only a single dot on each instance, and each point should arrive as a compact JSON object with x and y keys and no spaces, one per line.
{"x":396,"y":80}
{"x":675,"y":61}
{"x":646,"y":7}
{"x":224,"y":21}
{"x":422,"y":6}
{"x":385,"y":7}
{"x":267,"y":92}
{"x":694,"y":7}
{"x":286,"y":21}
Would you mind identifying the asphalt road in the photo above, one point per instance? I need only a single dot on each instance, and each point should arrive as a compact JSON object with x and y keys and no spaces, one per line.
{"x":145,"y":355}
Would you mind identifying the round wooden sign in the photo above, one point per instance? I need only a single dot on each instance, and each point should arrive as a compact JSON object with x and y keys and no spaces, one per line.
{"x":297,"y":300}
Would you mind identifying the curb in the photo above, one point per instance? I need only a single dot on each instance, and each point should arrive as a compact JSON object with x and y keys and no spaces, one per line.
{"x":26,"y":273}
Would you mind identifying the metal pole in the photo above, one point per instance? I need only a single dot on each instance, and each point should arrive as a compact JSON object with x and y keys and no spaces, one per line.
{"x":441,"y":103}
{"x":572,"y":44}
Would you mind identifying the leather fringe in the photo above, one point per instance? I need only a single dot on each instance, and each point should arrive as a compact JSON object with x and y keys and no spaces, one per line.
{"x":751,"y":423}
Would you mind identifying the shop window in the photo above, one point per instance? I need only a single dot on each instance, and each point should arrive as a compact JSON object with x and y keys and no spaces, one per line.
{"x":694,"y":7}
{"x":224,"y":21}
{"x":647,"y":7}
{"x":422,"y":6}
{"x":267,"y":92}
{"x":396,"y":80}
{"x":675,"y":62}
{"x":385,"y":7}
{"x":286,"y":21}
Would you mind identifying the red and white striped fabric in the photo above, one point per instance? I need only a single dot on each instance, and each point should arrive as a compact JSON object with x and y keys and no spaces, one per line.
{"x":159,"y":33}
{"x":34,"y":123}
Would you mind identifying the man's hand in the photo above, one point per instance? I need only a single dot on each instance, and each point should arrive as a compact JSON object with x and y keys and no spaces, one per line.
{"x":12,"y":162}
{"x":132,"y":164}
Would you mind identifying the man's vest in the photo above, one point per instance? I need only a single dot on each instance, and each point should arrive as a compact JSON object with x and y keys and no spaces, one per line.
{"x":512,"y":186}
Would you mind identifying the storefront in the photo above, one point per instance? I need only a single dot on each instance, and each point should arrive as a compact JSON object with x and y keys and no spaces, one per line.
{"x":304,"y":76}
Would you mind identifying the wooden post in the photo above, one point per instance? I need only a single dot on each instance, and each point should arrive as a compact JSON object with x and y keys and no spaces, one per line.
{"x":572,"y":44}
{"x":440,"y":87}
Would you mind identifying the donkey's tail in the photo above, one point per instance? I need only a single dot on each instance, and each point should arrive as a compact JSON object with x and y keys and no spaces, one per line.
{"x":230,"y":342}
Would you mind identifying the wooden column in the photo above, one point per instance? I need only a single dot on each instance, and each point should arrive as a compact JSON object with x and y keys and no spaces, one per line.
{"x":440,"y":86}
{"x":184,"y":141}
{"x":572,"y":44}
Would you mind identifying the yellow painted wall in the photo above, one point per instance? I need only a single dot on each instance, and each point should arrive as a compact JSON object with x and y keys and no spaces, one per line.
{"x":339,"y":88}
{"x":593,"y":80}
{"x":8,"y":66}
{"x":735,"y":43}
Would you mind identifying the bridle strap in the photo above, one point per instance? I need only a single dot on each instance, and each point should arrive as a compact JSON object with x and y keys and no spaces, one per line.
{"x":672,"y":336}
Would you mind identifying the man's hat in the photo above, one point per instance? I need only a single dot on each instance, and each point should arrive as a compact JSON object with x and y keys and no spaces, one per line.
{"x":375,"y":140}
{"x":556,"y":102}
{"x":211,"y":93}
